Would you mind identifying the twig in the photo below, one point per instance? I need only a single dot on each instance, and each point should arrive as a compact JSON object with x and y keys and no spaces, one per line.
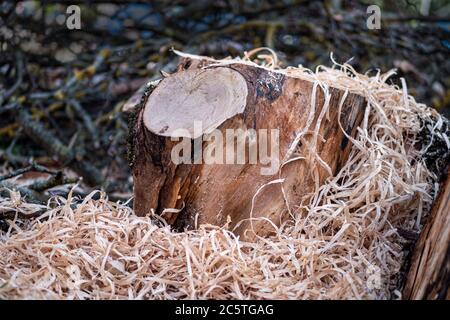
{"x":54,"y":146}
{"x":16,"y":85}
{"x":87,"y":121}
{"x":33,"y":167}
{"x":8,"y":155}
{"x":51,"y":182}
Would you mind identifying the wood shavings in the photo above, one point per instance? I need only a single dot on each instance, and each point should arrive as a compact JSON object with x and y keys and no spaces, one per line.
{"x":337,"y":240}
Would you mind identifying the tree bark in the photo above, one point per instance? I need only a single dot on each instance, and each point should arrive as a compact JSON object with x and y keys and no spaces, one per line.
{"x":234,"y":96}
{"x":429,"y":273}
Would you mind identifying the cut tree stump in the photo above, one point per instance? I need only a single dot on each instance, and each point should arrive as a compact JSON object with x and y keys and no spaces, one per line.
{"x":429,"y":272}
{"x":233,"y":96}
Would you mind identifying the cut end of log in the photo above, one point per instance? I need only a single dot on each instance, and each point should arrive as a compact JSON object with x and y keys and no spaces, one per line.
{"x":236,"y":97}
{"x":209,"y":96}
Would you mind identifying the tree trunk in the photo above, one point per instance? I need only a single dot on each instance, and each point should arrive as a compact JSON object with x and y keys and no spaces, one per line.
{"x":429,"y":273}
{"x":235,"y":96}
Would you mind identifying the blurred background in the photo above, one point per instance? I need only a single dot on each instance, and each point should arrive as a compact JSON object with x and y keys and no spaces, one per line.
{"x":62,"y":86}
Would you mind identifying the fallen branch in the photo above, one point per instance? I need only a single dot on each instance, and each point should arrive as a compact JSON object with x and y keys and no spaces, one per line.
{"x":33,"y":167}
{"x":54,"y":146}
{"x":54,"y":181}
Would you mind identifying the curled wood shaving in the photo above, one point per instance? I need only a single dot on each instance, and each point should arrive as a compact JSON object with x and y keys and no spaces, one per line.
{"x":340,"y":243}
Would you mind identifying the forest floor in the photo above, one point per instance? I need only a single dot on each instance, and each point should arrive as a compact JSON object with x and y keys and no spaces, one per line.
{"x":63,"y":90}
{"x":62,"y":122}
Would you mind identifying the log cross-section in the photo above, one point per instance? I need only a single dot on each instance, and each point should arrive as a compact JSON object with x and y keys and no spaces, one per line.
{"x":235,"y":96}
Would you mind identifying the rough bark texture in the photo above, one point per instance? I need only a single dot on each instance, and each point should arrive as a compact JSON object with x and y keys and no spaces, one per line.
{"x":429,"y":273}
{"x":218,"y":194}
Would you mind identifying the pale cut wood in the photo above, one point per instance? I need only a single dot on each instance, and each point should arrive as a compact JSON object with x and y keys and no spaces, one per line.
{"x":429,"y":273}
{"x":209,"y":95}
{"x":219,"y":194}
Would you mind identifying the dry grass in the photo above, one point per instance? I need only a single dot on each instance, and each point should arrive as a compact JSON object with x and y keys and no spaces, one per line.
{"x":341,"y":243}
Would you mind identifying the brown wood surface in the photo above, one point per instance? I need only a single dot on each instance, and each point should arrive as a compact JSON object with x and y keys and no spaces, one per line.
{"x":429,"y":273}
{"x":216,"y":193}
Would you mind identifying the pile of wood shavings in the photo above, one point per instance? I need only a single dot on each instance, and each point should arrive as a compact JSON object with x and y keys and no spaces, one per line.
{"x":342,"y":242}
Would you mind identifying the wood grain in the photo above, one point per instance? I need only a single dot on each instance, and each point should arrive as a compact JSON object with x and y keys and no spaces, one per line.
{"x":429,"y":273}
{"x":217,"y":193}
